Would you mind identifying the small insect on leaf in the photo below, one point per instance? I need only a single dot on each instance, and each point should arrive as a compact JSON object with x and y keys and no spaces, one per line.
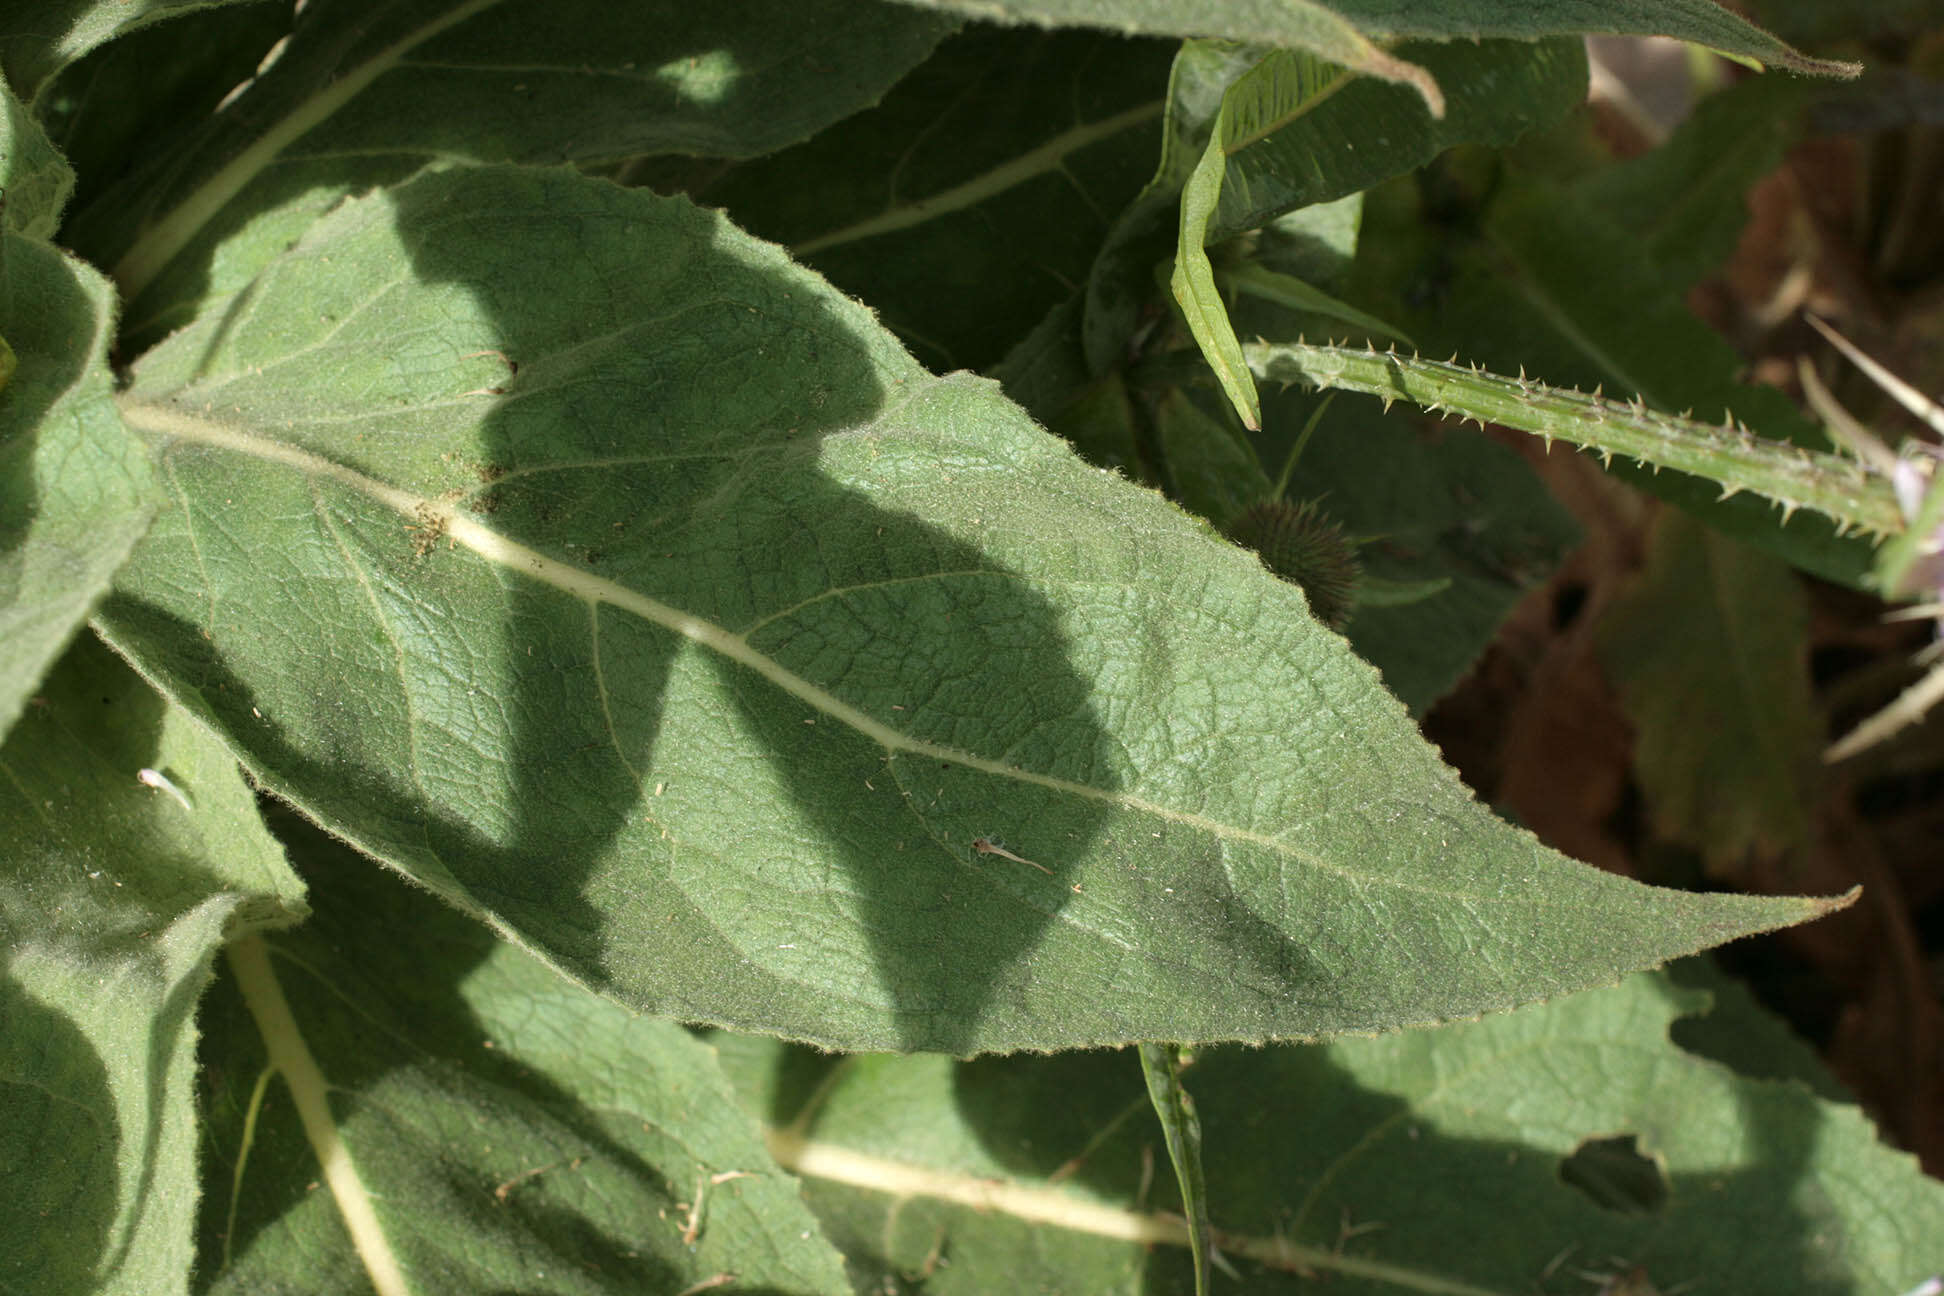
{"x":985,"y":846}
{"x":161,"y":783}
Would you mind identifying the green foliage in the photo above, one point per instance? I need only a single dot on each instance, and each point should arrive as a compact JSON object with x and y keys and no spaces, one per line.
{"x":623,"y":619}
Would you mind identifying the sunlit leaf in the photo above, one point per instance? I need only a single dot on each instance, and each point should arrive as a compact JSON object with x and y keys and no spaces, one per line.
{"x":76,"y":490}
{"x":648,"y":602}
{"x":1433,"y":1161}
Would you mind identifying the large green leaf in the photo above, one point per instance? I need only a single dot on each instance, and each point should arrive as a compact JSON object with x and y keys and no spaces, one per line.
{"x":1435,"y":1161}
{"x":388,"y":1091}
{"x":975,"y":196}
{"x":1350,"y":31}
{"x":631,"y":588}
{"x":114,"y":897}
{"x":76,"y":490}
{"x":361,"y":97}
{"x":40,"y":37}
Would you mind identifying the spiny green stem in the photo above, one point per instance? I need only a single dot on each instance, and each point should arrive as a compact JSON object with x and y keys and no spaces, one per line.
{"x":1855,"y":496}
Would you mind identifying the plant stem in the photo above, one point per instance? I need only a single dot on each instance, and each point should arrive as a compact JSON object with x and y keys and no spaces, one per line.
{"x":1857,"y":497}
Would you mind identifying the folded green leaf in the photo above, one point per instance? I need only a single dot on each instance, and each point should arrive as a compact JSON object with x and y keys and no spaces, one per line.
{"x":1161,"y":1066}
{"x":1276,"y":146}
{"x":132,"y":851}
{"x":630,"y":588}
{"x":77,"y":491}
{"x":1270,"y":94}
{"x":1120,"y":284}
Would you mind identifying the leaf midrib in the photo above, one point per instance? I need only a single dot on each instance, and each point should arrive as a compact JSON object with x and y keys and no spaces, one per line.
{"x":1044,"y":159}
{"x":172,"y":424}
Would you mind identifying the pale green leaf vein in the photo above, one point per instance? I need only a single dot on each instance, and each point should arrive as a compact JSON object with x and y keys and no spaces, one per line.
{"x":290,"y":1054}
{"x":195,"y":546}
{"x":601,"y":686}
{"x":358,"y":573}
{"x":1046,"y":158}
{"x":171,"y":423}
{"x":167,"y":237}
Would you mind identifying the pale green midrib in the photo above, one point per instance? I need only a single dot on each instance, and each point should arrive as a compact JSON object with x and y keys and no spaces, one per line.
{"x":1054,"y":1208}
{"x":1270,"y":125}
{"x":1043,"y":160}
{"x":160,"y":243}
{"x":164,"y":421}
{"x":245,"y":1145}
{"x":283,"y":1039}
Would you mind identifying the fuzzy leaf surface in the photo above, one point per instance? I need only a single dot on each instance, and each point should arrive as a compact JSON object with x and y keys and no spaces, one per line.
{"x":34,"y":177}
{"x":359,"y":98}
{"x":632,"y":589}
{"x":1429,"y":1161}
{"x":507,"y":1130}
{"x":40,"y":37}
{"x":114,"y":898}
{"x":76,"y":491}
